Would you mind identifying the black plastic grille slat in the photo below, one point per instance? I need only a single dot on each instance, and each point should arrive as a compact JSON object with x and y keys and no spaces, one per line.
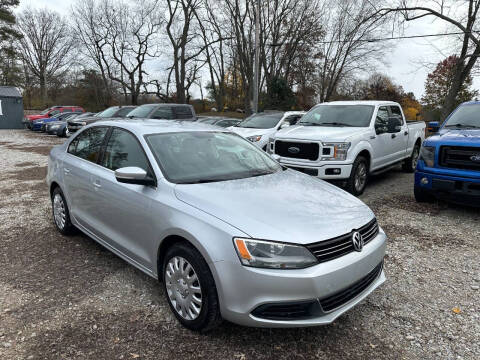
{"x":342,"y":297}
{"x":288,"y":311}
{"x":307,"y":151}
{"x":334,"y":248}
{"x":458,"y":157}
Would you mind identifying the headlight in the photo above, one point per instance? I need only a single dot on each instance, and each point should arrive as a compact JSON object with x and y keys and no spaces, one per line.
{"x":273,"y":255}
{"x":254,"y":138}
{"x":427,"y":154}
{"x":338,"y":151}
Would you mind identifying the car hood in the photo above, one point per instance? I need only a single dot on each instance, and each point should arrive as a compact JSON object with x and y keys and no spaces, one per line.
{"x":86,"y":119}
{"x":245,"y":132}
{"x":455,"y":137}
{"x":57,"y":122}
{"x":319,"y":133}
{"x":286,"y":206}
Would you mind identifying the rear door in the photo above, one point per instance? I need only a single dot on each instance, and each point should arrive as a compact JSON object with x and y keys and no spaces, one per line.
{"x":79,"y":164}
{"x":123,"y":211}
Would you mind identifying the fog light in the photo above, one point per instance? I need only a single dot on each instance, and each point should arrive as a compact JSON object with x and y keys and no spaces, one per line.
{"x":424,"y":181}
{"x":333,"y":171}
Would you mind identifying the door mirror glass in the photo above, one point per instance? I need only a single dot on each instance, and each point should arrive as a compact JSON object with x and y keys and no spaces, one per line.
{"x":394,"y":124}
{"x":284,"y":125}
{"x":433,"y":126}
{"x":133,"y":175}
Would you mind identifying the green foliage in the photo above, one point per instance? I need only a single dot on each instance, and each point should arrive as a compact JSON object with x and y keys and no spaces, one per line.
{"x":438,"y":84}
{"x":280,"y":96}
{"x":7,"y":20}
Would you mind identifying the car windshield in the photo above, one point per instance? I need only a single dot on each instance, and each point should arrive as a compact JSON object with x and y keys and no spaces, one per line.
{"x":108,"y":112}
{"x":466,"y":116}
{"x":141,"y":111}
{"x":200,"y":157}
{"x":338,"y":115}
{"x":45,"y":112}
{"x":261,"y":121}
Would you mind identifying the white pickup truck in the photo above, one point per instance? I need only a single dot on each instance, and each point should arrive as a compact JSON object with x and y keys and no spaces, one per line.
{"x":348,"y":141}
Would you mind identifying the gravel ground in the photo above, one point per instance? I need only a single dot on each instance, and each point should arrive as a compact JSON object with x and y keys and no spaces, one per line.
{"x":67,"y":297}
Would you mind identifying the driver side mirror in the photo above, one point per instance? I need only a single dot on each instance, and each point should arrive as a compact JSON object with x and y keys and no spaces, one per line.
{"x":433,"y":126}
{"x":394,"y":124}
{"x":285,"y":125}
{"x":380,"y":128}
{"x":133,"y":175}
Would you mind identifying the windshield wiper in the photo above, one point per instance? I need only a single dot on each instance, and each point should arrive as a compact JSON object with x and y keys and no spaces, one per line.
{"x":335,"y":124}
{"x":463,"y":126}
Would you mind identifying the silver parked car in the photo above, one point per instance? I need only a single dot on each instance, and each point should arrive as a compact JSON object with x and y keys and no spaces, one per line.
{"x":228,"y":231}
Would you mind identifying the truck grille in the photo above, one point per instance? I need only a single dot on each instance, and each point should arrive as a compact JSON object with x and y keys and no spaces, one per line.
{"x":342,"y":245}
{"x":459,"y":157}
{"x":297,"y":150}
{"x":342,"y":297}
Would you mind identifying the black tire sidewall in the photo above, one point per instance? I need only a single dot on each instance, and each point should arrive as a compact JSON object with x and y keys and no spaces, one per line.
{"x":210,"y":313}
{"x":351,"y":181}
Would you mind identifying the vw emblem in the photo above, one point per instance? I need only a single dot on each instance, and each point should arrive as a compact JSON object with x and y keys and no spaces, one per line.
{"x":293,"y":150}
{"x":357,"y":240}
{"x":474,"y":158}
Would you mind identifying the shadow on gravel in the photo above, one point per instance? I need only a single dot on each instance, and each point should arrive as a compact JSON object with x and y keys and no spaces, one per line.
{"x":28,"y":174}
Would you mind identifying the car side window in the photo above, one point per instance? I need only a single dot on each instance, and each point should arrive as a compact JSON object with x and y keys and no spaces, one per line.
{"x":381,"y":122}
{"x":163,"y":112}
{"x":87,"y":145}
{"x":54,"y":112}
{"x":183,"y":112}
{"x":396,"y":111}
{"x":123,"y":150}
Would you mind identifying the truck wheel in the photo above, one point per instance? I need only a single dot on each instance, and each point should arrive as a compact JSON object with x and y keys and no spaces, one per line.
{"x":357,"y":181}
{"x":422,"y":196}
{"x":410,"y":164}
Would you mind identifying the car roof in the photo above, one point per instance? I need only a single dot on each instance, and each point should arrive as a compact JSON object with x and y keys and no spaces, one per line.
{"x":360,"y":102}
{"x":165,"y":104}
{"x":150,"y":126}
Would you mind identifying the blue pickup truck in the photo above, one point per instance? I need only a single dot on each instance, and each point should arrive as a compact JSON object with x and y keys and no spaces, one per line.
{"x":449,"y":162}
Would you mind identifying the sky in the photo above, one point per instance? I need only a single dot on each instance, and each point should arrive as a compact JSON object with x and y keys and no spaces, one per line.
{"x":408,"y":61}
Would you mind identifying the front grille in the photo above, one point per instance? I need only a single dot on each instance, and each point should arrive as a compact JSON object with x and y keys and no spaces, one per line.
{"x":342,"y":245}
{"x":297,"y":150}
{"x":288,"y":310}
{"x":342,"y":297}
{"x":459,"y":157}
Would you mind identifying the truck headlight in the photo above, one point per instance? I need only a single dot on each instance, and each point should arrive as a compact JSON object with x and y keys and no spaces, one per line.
{"x":427,"y":154}
{"x":273,"y":255}
{"x":254,"y":138}
{"x":338,"y":151}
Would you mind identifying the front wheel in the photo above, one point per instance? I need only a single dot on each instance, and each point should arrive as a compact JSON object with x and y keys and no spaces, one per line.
{"x":410,"y":164}
{"x":61,"y":215}
{"x":357,"y":181}
{"x":190,"y":288}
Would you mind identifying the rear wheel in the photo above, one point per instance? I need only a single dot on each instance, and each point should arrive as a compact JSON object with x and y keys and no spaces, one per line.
{"x":422,"y":196}
{"x":61,"y":215}
{"x":190,"y":288}
{"x":410,"y":164}
{"x":358,"y":179}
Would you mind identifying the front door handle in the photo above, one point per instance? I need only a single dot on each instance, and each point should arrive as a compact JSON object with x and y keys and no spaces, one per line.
{"x":394,"y":136}
{"x":66,"y":171}
{"x":405,"y":133}
{"x":97,"y":184}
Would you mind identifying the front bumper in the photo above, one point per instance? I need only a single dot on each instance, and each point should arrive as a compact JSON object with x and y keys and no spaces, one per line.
{"x":326,"y":171}
{"x":455,"y":189}
{"x":73,"y":127}
{"x":242,"y":290}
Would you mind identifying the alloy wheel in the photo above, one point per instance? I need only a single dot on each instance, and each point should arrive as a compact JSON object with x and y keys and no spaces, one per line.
{"x":415,"y":156}
{"x":360,"y":177}
{"x":183,"y":288}
{"x":59,"y":212}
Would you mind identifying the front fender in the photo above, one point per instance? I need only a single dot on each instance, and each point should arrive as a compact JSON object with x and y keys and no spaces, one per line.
{"x":362,"y":145}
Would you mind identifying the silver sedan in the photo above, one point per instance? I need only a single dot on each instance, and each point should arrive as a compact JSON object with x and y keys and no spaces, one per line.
{"x":229,"y":232}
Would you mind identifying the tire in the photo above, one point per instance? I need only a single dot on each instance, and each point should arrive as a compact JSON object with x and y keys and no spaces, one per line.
{"x":59,"y":206}
{"x":360,"y":171}
{"x":64,"y":133}
{"x":410,"y":164}
{"x":422,"y":196}
{"x":175,"y":269}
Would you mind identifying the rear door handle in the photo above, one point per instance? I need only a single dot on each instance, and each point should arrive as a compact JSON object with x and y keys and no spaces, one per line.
{"x":66,"y":171}
{"x":97,"y":184}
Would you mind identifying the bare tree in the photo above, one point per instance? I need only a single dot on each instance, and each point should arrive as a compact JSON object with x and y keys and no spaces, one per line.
{"x":461,"y":18}
{"x":347,"y":48}
{"x":45,"y":45}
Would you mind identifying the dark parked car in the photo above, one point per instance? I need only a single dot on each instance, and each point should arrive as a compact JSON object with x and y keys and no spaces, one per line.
{"x":112,"y":112}
{"x":59,"y":128}
{"x":181,"y":112}
{"x":41,"y":124}
{"x":220,"y":121}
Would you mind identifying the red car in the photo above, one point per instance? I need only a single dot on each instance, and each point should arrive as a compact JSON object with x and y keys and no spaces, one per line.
{"x":50,"y":112}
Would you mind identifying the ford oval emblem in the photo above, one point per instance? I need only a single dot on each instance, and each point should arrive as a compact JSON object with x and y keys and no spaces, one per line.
{"x":293,"y":150}
{"x":474,"y":158}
